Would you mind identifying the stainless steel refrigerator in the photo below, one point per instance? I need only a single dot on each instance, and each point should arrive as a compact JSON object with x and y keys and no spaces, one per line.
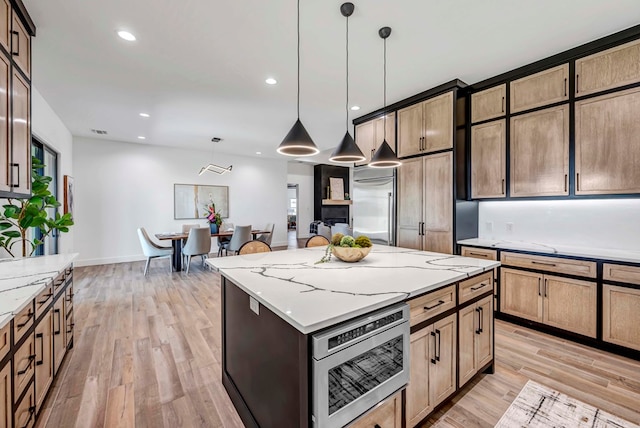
{"x":374,"y":204}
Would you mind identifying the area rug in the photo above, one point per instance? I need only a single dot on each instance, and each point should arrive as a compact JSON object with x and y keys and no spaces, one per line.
{"x":539,"y":406}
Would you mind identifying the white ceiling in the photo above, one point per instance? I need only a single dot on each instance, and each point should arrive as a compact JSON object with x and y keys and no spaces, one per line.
{"x":198,"y":66}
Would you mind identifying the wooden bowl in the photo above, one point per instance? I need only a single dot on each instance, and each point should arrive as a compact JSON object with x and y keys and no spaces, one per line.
{"x":349,"y":254}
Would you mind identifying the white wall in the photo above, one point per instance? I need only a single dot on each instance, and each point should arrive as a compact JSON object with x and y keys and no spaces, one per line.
{"x":302,"y":175}
{"x":123,"y":186}
{"x":599,"y":223}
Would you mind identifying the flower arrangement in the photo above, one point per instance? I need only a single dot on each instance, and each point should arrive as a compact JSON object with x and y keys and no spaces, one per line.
{"x":339,"y":240}
{"x":211,"y":214}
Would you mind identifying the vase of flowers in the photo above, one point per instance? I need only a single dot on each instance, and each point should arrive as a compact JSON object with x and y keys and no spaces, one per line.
{"x":213,"y":217}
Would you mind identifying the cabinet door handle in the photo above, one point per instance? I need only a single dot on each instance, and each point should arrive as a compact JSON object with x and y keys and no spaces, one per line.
{"x":26,"y":369}
{"x":565,"y":86}
{"x":503,"y":186}
{"x":502,"y":104}
{"x":17,"y":52}
{"x":46,"y":298}
{"x":56,"y":332}
{"x":13,"y":179}
{"x":439,"y":347}
{"x":377,"y":426}
{"x":578,"y":181}
{"x":577,"y":83}
{"x":423,"y":228}
{"x":539,"y":286}
{"x":474,"y":321}
{"x":433,"y":360}
{"x":32,"y":411}
{"x":481,"y":318}
{"x":41,"y":337}
{"x":428,"y":308}
{"x":546,"y":287}
{"x":566,"y":176}
{"x":482,"y":284}
{"x":543,"y":263}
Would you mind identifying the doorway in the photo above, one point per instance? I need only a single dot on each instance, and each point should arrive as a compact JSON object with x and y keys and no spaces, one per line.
{"x":50,"y":160}
{"x":292,"y":213}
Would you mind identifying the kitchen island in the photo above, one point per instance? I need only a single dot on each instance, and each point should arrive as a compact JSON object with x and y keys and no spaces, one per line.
{"x":273,"y":304}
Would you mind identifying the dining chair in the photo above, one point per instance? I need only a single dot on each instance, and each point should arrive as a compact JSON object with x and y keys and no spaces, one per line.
{"x":198,"y":244}
{"x":224,"y":227}
{"x":152,"y":250}
{"x":254,"y":246}
{"x":186,"y":228}
{"x":316,"y":241}
{"x":266,"y":237}
{"x":241,"y":234}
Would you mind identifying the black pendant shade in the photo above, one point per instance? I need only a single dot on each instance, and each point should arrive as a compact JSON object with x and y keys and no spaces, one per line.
{"x":347,"y":151}
{"x":384,"y":157}
{"x":298,"y":142}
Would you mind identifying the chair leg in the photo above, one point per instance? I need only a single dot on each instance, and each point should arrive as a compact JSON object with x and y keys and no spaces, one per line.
{"x":146,"y":267}
{"x":188,"y":263}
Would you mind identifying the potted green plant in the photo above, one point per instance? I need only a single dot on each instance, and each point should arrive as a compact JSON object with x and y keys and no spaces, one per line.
{"x":21,"y":214}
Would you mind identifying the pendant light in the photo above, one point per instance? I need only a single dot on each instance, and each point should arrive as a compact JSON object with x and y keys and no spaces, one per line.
{"x":384,"y":156}
{"x":298,"y":142}
{"x":347,"y":151}
{"x":212,"y":167}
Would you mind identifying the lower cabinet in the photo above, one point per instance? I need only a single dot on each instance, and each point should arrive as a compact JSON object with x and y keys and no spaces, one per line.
{"x":24,"y":365}
{"x":5,"y":396}
{"x":26,"y":410}
{"x":387,"y":414}
{"x":620,"y":316}
{"x":44,"y":358}
{"x":433,"y":368}
{"x":59,"y":333}
{"x":476,"y":338}
{"x":565,"y":303}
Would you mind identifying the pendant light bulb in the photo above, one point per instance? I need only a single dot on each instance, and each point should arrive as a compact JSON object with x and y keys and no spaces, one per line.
{"x":384,"y":157}
{"x":298,"y":142}
{"x":347,"y":151}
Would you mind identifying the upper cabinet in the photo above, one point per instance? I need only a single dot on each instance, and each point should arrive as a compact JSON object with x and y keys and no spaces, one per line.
{"x":426,"y":126}
{"x":607,"y":145}
{"x":371,"y":134}
{"x":5,"y":23}
{"x":21,"y":45}
{"x":488,"y":104}
{"x":547,"y":87}
{"x":21,"y":118}
{"x":488,"y":160}
{"x":540,"y":153}
{"x":608,"y":69}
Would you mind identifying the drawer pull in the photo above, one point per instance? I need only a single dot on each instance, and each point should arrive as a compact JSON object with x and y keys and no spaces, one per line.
{"x":29,"y":315}
{"x":478,"y":254}
{"x":17,"y":51}
{"x":482,"y":284}
{"x":26,"y":369}
{"x":32,"y":411}
{"x":428,"y":308}
{"x":46,"y":299}
{"x":377,"y":426}
{"x":543,"y":263}
{"x":565,"y":86}
{"x":502,"y":104}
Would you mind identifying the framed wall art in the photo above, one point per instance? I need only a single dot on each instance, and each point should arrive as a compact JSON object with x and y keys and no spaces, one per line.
{"x":190,"y":201}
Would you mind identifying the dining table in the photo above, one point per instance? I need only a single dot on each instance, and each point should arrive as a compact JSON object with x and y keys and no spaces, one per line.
{"x":176,"y":239}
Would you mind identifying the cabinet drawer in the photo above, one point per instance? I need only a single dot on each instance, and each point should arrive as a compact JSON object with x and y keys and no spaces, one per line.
{"x":621,"y":273}
{"x":43,"y":300}
{"x":5,"y":344}
{"x":26,"y":411}
{"x":550,"y":264}
{"x":69,"y":325}
{"x":387,"y":414}
{"x":547,"y":87}
{"x":488,"y":104}
{"x":68,"y":297}
{"x":58,"y":283}
{"x":24,"y":365}
{"x":424,"y":307}
{"x":22,"y":322}
{"x":479,"y":253}
{"x":470,"y":288}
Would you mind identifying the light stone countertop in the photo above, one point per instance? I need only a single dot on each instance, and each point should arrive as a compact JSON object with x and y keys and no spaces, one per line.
{"x":552,"y":249}
{"x":313,"y":296}
{"x":21,"y":280}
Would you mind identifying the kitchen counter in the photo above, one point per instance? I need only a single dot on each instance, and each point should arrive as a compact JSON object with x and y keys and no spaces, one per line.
{"x":562,"y":250}
{"x":313,"y":296}
{"x":21,"y":280}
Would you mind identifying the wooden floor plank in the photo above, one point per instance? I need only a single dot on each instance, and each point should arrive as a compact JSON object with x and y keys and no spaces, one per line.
{"x":148,"y":353}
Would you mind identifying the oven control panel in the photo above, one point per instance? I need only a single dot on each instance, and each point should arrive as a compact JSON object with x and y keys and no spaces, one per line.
{"x":357,"y":332}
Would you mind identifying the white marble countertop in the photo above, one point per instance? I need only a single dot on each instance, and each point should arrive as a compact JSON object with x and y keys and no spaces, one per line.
{"x":313,"y":296}
{"x":564,"y":250}
{"x":21,"y":280}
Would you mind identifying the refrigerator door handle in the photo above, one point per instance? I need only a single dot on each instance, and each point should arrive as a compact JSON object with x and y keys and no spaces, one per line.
{"x":390,"y":216}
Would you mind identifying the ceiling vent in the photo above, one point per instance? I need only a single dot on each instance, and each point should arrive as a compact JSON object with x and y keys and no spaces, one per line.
{"x":216,"y":139}
{"x":99,"y":131}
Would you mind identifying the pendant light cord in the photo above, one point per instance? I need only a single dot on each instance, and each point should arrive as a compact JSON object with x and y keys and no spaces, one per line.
{"x":346,"y":107}
{"x":298,"y":59}
{"x":385,"y":88}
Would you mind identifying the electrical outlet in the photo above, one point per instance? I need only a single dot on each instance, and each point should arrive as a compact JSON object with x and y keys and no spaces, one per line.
{"x":489,"y":226}
{"x":509,"y":227}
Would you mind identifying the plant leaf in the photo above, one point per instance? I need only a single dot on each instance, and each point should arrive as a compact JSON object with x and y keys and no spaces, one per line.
{"x":11,"y":234}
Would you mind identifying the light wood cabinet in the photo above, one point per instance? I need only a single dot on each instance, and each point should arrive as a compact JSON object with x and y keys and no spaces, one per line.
{"x":483,"y":253}
{"x":474,"y":287}
{"x":21,"y":45}
{"x":540,"y":153}
{"x":24,"y":365}
{"x":434,"y":303}
{"x":25,"y":414}
{"x":608,"y":69}
{"x":564,"y":303}
{"x":21,"y":135}
{"x":387,"y":414}
{"x":476,"y":338}
{"x":433,"y":368}
{"x":426,"y":126}
{"x":550,"y":264}
{"x":488,"y":160}
{"x":371,"y":134}
{"x":620,"y":316}
{"x":607,"y":144}
{"x":5,"y":340}
{"x":425,"y":203}
{"x":44,"y":358}
{"x":5,"y":23}
{"x":5,"y":153}
{"x":6,"y":411}
{"x":621,"y":273}
{"x":22,"y":322}
{"x":539,"y":89}
{"x":488,"y":104}
{"x":59,"y":333}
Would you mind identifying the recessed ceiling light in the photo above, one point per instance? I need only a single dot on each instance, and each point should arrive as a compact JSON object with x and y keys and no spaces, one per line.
{"x":144,"y":114}
{"x":271,"y":81}
{"x":355,"y":108}
{"x":126,"y":35}
{"x":140,"y":137}
{"x":258,"y":153}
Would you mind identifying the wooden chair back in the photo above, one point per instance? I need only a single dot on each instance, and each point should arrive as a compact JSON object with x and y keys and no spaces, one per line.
{"x":317,"y":241}
{"x":253,"y":247}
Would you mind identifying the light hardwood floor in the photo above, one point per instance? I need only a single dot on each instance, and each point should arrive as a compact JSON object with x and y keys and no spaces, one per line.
{"x":147,"y":354}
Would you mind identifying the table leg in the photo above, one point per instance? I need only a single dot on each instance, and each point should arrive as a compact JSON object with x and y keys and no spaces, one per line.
{"x":177,"y":255}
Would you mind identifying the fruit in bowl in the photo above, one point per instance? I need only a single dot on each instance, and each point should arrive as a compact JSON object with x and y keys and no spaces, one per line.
{"x":347,"y":248}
